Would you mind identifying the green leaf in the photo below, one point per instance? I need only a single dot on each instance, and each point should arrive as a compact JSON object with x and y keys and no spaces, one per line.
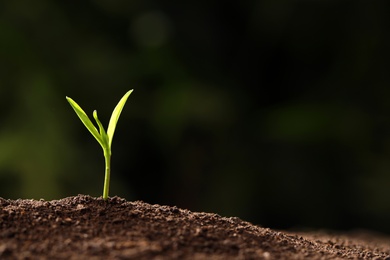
{"x":102,"y":131}
{"x":115,"y":116}
{"x":85,"y":119}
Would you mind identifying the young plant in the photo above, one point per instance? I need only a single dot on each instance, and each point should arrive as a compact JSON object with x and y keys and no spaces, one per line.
{"x":104,"y":138}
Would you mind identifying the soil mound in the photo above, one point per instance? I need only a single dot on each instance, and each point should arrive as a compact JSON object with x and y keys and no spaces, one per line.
{"x":84,"y":227}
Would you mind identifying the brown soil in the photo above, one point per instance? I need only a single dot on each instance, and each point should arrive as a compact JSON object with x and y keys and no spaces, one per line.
{"x":84,"y":227}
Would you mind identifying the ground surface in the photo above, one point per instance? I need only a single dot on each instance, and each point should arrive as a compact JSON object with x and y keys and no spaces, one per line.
{"x":84,"y":227}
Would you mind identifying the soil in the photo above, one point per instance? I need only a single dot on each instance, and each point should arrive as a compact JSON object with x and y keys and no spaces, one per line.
{"x":84,"y":227}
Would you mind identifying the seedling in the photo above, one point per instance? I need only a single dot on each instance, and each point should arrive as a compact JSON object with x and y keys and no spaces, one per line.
{"x":104,"y":138}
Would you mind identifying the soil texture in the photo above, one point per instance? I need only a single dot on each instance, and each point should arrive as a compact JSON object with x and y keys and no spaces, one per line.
{"x":84,"y":227}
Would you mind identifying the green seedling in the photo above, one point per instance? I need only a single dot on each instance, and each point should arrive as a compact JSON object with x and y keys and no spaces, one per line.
{"x":104,"y":138}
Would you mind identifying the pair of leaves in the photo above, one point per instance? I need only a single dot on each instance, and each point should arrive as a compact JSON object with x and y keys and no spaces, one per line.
{"x":104,"y":138}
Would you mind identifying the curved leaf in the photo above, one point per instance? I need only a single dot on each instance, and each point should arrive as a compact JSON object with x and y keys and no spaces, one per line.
{"x":85,"y":119}
{"x":103,"y":134}
{"x":115,"y":116}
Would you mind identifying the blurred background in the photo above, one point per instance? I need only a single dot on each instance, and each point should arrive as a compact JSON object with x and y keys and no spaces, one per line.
{"x":274,"y":111}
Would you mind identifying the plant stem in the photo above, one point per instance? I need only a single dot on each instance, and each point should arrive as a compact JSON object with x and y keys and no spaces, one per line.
{"x":107,"y":157}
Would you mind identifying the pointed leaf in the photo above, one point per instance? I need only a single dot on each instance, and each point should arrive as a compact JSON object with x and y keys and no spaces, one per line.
{"x":115,"y":116}
{"x":85,"y":119}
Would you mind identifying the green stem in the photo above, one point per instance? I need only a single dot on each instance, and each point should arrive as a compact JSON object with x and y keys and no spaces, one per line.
{"x":107,"y":157}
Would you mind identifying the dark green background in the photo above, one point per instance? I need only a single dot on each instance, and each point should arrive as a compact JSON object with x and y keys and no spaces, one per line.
{"x":273,"y":111}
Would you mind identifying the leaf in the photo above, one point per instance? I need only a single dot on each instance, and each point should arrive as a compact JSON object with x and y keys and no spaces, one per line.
{"x":103,"y":134}
{"x":115,"y":116}
{"x":85,"y":119}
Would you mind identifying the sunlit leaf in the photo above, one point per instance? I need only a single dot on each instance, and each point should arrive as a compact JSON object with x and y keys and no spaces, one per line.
{"x":103,"y":134}
{"x":115,"y":116}
{"x":85,"y":119}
